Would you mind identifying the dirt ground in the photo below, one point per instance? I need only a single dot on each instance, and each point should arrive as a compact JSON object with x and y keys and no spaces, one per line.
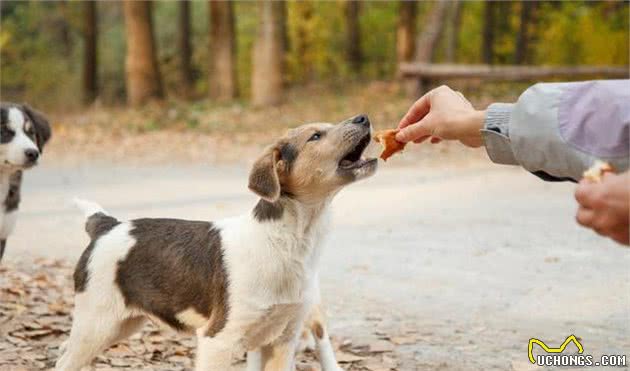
{"x":441,"y":261}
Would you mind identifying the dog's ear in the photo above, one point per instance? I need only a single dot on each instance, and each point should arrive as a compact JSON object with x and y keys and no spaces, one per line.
{"x":40,"y":124}
{"x":264,"y":179}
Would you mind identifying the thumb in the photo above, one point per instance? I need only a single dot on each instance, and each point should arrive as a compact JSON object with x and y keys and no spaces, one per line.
{"x":412,"y":132}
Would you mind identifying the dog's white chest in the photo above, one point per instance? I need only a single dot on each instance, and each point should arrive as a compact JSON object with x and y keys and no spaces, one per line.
{"x":7,"y":220}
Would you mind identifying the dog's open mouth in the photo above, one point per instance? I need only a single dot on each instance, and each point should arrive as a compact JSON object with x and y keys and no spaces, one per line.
{"x":354,"y":159}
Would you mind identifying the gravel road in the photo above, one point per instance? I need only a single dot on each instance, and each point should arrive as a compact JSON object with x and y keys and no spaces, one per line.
{"x":475,"y":259}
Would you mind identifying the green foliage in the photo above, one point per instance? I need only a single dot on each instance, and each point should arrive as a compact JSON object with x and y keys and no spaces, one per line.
{"x":246,"y":24}
{"x":35,"y":57}
{"x":314,"y":51}
{"x":583,"y":33}
{"x":41,"y":46}
{"x":470,"y":33}
{"x":378,"y":31}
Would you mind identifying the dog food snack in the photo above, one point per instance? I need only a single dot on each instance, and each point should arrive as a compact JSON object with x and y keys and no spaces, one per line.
{"x":597,"y":171}
{"x":387,"y":138}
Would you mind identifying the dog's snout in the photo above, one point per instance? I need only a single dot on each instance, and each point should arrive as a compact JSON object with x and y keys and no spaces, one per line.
{"x":361,"y":120}
{"x":31,"y":155}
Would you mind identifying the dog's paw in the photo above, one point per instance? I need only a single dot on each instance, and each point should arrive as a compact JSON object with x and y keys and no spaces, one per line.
{"x":307,"y":342}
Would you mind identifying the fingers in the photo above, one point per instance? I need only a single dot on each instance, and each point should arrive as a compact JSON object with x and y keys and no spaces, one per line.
{"x":422,"y":139}
{"x":434,"y":140}
{"x":416,"y":131}
{"x":417,"y":111}
{"x":585,"y":217}
{"x":584,"y":193}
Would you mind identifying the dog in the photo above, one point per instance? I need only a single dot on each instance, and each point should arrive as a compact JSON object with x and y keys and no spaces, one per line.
{"x":246,"y":283}
{"x":23,"y":134}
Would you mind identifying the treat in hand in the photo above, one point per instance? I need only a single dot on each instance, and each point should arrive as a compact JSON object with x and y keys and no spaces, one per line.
{"x":387,"y":138}
{"x":597,"y":171}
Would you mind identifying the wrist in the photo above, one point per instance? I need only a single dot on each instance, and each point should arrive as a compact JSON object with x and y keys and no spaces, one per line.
{"x":475,"y":122}
{"x":476,"y":119}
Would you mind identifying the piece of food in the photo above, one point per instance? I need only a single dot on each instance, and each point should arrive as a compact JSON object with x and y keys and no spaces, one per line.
{"x":597,"y":171}
{"x":387,"y":138}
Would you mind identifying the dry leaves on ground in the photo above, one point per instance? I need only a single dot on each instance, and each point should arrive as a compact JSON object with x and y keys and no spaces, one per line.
{"x":35,"y":318}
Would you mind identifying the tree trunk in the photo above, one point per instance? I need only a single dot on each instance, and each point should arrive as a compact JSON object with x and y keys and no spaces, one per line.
{"x":406,"y":31}
{"x":426,"y":44}
{"x":90,"y":55}
{"x":522,"y":38}
{"x":488,"y":32}
{"x":430,"y":35}
{"x":143,"y":76}
{"x":452,"y":36}
{"x":353,"y":34}
{"x":185,"y":51}
{"x":223,"y":84}
{"x":267,"y":64}
{"x":63,"y":27}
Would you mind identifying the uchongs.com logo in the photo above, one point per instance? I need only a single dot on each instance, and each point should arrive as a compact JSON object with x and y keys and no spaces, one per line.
{"x":558,"y":356}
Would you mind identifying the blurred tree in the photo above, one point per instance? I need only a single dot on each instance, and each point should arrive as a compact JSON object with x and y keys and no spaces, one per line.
{"x":143,"y":76}
{"x":488,"y":31}
{"x":223,"y":84}
{"x":90,"y":54}
{"x":286,"y":44}
{"x":267,"y":64}
{"x":60,"y":19}
{"x":453,"y":27}
{"x":431,"y":32}
{"x":184,"y":49}
{"x":522,"y":37}
{"x":406,"y":30}
{"x":354,"y":53}
{"x":39,"y":56}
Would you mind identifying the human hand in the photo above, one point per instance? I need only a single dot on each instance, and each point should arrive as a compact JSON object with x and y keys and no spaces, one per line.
{"x":442,"y":114}
{"x":605,"y":206}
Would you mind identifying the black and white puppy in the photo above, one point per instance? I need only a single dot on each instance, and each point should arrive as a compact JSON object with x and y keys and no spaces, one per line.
{"x":23,"y":133}
{"x":246,"y":283}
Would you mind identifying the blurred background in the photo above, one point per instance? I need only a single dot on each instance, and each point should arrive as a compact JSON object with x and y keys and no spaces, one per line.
{"x":441,"y":261}
{"x":63,"y":55}
{"x":222,"y":68}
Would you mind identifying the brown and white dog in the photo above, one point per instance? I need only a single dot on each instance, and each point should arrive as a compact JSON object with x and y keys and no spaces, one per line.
{"x":23,"y":133}
{"x":246,"y":283}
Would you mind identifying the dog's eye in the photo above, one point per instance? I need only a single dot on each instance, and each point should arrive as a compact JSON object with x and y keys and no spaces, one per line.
{"x":6,"y":134}
{"x":316,"y":136}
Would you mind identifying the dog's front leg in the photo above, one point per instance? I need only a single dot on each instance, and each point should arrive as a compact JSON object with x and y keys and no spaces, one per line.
{"x":325,"y":349}
{"x":215,"y":353}
{"x":279,"y":357}
{"x":254,"y":360}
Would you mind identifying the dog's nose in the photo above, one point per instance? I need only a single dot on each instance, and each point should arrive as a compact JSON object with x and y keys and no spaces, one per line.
{"x":361,"y":120}
{"x":31,"y":155}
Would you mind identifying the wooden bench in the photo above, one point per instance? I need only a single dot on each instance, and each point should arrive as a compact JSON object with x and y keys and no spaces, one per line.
{"x":425,"y":75}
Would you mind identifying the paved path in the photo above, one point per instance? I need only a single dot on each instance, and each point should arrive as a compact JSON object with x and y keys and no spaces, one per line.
{"x":477,"y":260}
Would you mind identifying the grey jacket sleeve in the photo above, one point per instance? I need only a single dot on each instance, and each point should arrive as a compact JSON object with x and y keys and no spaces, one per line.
{"x":557,"y":130}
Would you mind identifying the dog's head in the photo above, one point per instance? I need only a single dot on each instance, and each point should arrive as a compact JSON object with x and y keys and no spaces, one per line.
{"x":23,"y":134}
{"x":314,"y":161}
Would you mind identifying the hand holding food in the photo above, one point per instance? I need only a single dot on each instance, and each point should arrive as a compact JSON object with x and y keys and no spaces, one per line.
{"x":442,"y":114}
{"x":387,"y":138}
{"x":604,"y":202}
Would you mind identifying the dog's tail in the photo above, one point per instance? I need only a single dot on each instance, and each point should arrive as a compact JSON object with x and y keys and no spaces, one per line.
{"x":98,"y":220}
{"x":88,"y":208}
